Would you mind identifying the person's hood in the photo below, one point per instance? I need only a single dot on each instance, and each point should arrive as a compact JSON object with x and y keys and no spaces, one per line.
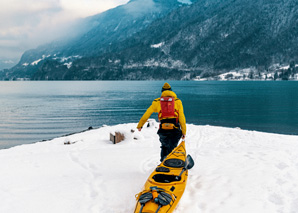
{"x":168,"y":93}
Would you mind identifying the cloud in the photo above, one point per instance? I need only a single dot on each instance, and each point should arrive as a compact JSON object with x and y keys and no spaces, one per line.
{"x":89,"y":7}
{"x":27,"y":24}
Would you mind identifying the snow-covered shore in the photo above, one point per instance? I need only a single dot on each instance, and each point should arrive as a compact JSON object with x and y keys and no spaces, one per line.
{"x":236,"y":171}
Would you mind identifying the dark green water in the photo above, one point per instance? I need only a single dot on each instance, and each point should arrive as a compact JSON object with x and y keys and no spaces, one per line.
{"x":34,"y":111}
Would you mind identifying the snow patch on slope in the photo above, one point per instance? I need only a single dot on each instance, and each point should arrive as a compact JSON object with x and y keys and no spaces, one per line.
{"x":185,"y":1}
{"x":166,"y":63}
{"x":157,"y":45}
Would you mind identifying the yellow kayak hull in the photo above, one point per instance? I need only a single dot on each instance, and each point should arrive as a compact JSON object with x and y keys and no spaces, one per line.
{"x":166,"y":178}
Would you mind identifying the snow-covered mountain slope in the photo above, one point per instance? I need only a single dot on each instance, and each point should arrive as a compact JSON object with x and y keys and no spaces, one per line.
{"x":236,"y":171}
{"x":155,"y":39}
{"x":93,"y":35}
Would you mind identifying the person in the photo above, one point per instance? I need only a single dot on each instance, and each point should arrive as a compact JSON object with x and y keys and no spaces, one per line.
{"x":172,"y":124}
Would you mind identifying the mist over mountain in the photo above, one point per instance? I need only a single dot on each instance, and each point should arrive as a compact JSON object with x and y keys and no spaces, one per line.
{"x":169,"y":40}
{"x":7,"y":63}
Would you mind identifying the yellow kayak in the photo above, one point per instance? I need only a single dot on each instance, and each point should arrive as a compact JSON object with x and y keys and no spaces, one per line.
{"x":165,"y":186}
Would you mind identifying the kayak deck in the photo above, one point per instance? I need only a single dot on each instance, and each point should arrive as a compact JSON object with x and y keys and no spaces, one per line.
{"x":168,"y":180}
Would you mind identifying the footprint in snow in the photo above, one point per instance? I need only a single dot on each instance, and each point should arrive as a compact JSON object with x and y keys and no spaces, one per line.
{"x":93,"y":180}
{"x":276,"y":199}
{"x":149,"y":164}
{"x":281,"y":165}
{"x":294,"y":205}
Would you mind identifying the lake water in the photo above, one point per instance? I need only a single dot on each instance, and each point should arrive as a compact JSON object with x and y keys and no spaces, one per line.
{"x":35,"y":111}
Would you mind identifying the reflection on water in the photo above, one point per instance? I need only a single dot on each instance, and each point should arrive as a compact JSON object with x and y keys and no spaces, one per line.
{"x":34,"y":111}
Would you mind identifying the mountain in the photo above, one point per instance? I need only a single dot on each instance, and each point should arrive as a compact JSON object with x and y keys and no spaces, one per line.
{"x":206,"y":38}
{"x":221,"y":35}
{"x":94,"y":35}
{"x":119,"y":24}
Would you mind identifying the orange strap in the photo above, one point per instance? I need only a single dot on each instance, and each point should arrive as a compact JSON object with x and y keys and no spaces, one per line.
{"x":154,"y":194}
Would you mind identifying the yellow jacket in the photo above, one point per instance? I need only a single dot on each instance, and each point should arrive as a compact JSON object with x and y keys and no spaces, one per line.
{"x":155,"y":107}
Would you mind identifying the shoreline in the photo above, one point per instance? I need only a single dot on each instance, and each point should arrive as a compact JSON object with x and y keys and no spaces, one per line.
{"x":112,"y":126}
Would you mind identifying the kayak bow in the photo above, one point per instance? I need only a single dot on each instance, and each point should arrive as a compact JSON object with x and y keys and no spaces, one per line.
{"x":165,"y":186}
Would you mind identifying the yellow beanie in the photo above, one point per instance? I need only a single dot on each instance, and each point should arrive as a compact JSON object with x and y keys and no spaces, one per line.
{"x":166,"y":86}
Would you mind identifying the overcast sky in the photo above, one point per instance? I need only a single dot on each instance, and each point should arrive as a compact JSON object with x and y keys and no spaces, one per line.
{"x":25,"y":24}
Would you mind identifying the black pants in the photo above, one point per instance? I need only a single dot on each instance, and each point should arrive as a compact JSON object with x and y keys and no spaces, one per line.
{"x":169,"y":140}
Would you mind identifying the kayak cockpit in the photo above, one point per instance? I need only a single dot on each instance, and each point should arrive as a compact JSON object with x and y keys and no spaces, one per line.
{"x":163,"y":178}
{"x":174,"y":163}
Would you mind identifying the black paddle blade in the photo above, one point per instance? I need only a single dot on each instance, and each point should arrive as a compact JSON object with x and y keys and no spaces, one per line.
{"x":189,"y":162}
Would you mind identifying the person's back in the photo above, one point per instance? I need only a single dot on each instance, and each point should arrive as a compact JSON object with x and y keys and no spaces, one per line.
{"x":172,"y":124}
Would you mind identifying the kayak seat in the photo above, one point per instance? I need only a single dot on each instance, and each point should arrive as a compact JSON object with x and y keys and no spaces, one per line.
{"x":162,"y":169}
{"x":162,"y":178}
{"x":174,"y":162}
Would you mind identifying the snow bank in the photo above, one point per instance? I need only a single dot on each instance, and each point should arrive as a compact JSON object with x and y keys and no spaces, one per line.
{"x":235,"y":171}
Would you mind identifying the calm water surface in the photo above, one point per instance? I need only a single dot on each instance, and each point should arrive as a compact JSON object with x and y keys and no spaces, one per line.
{"x":35,"y":111}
